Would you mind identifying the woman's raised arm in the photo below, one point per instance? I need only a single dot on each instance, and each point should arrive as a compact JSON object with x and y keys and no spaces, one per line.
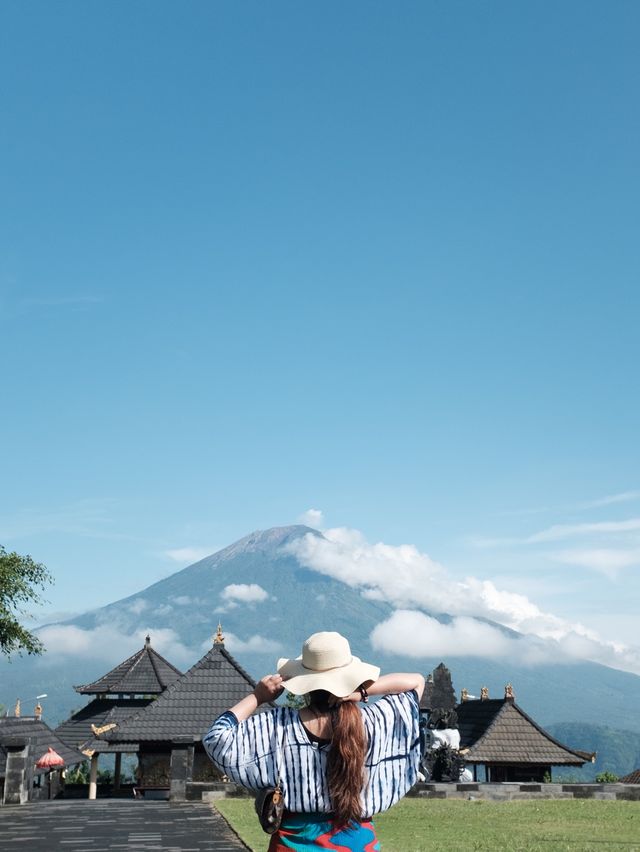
{"x":392,"y":684}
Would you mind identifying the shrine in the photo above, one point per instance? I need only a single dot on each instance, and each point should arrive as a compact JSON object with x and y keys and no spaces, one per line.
{"x":123,"y":691}
{"x":167,"y":734}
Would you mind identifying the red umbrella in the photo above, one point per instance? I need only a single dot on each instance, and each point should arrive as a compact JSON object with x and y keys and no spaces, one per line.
{"x":50,"y":760}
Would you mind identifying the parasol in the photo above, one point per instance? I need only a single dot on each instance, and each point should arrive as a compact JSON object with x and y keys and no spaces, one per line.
{"x":50,"y":760}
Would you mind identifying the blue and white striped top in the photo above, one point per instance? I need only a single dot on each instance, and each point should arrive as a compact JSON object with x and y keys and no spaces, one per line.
{"x":246,"y":753}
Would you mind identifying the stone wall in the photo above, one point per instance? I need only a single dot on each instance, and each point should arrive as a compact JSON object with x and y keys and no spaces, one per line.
{"x":492,"y":792}
{"x":506,"y":791}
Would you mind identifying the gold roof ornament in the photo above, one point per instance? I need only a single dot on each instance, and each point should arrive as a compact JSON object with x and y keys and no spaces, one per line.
{"x":218,"y":639}
{"x":509,"y":693}
{"x":16,"y":709}
{"x":38,"y":711}
{"x":103,"y":728}
{"x":484,"y":693}
{"x":464,"y":694}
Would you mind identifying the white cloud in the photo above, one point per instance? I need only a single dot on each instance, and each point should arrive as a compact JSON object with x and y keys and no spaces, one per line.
{"x":558,"y":532}
{"x":108,"y":643}
{"x":244,"y":593}
{"x":599,"y":502}
{"x":611,"y":499}
{"x":312,"y":518}
{"x":607,"y":561}
{"x":255,"y":644}
{"x":415,"y":634}
{"x":50,"y":616}
{"x":561,"y":531}
{"x":188,"y":554}
{"x":183,"y":600}
{"x":138,"y":605}
{"x":412,"y":633}
{"x":409,"y":579}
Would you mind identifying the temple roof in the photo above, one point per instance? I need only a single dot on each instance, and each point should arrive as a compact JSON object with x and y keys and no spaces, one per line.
{"x":41,"y":738}
{"x":631,"y":778}
{"x":145,"y":673}
{"x":191,"y":703}
{"x":78,"y":729}
{"x":497,"y":731}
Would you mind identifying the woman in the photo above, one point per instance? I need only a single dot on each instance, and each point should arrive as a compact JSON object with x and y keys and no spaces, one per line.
{"x":341,"y":759}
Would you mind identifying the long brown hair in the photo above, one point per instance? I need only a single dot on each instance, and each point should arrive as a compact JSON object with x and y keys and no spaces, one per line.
{"x":345,"y":764}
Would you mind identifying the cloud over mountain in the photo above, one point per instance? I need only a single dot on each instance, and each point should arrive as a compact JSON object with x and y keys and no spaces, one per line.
{"x":414,"y":634}
{"x":244,"y":593}
{"x":409,"y":579}
{"x":110,"y":642}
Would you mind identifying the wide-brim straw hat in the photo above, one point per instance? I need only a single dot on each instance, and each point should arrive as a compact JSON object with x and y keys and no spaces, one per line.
{"x":326,"y":663}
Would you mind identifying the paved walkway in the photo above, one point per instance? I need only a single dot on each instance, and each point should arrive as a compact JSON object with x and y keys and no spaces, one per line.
{"x":113,"y":824}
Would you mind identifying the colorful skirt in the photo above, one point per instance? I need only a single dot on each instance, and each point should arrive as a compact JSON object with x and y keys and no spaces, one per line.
{"x":315,"y":831}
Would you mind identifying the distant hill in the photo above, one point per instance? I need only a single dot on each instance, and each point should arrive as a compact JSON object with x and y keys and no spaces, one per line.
{"x":618,"y":751}
{"x":269,"y":602}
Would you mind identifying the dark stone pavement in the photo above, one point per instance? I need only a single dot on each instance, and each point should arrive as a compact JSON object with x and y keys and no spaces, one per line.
{"x":113,"y":824}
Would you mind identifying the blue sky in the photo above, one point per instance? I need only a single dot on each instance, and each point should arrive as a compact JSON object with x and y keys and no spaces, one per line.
{"x":376,"y":260}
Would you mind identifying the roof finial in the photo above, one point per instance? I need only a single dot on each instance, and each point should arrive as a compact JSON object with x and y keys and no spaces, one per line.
{"x":464,"y":695}
{"x":509,"y":694}
{"x":218,"y":639}
{"x":484,"y":693}
{"x":147,"y":641}
{"x":16,"y":709}
{"x":38,"y":711}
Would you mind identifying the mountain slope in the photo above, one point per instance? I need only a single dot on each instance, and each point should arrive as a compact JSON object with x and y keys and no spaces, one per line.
{"x":617,"y":751}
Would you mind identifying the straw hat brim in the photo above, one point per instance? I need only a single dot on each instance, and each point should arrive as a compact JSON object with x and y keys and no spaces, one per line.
{"x":341,"y":681}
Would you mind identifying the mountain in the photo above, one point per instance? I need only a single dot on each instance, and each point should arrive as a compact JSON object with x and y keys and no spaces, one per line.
{"x":268,"y":602}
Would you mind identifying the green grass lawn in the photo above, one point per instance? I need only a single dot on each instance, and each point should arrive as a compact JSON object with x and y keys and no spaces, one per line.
{"x":415,"y":825}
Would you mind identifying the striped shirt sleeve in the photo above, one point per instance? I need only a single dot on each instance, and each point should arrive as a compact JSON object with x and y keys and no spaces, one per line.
{"x":244,"y":751}
{"x":393,"y":727}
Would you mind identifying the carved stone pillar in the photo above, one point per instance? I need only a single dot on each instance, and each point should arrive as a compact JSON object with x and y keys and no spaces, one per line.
{"x":19,"y":771}
{"x":181,"y":768}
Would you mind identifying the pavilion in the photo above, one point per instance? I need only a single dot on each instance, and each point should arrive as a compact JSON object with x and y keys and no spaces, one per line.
{"x":167,"y":734}
{"x":122,"y":692}
{"x":498,"y":735}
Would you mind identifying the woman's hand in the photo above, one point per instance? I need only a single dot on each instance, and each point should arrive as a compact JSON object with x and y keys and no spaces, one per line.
{"x":268,"y":689}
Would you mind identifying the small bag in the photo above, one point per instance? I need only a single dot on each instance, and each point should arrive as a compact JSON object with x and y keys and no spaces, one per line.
{"x":270,"y":801}
{"x":270,"y":807}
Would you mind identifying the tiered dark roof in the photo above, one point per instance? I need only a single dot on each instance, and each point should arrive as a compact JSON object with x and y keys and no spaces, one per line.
{"x":189,"y":705}
{"x":78,"y":730}
{"x":497,"y":731}
{"x":40,"y":736}
{"x":145,"y":673}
